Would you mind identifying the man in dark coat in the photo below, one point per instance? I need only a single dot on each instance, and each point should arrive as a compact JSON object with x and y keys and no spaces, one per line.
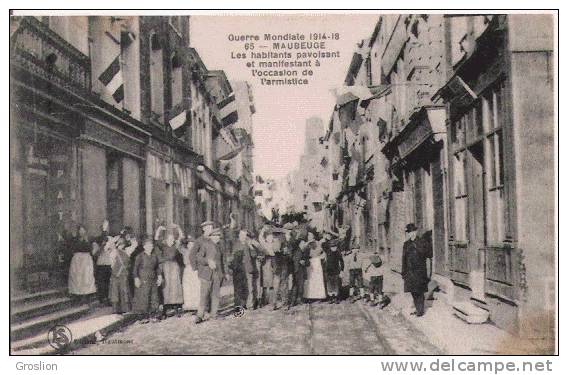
{"x":299,"y":263}
{"x":414,"y":269}
{"x":211,"y":272}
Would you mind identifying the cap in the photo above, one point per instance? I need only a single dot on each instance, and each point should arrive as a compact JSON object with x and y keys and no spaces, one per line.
{"x":411,"y":228}
{"x":208,"y":222}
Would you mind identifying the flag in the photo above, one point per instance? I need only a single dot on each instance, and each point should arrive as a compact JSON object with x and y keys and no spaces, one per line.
{"x":177,"y":123}
{"x":228,"y":110}
{"x":232,"y":154}
{"x":111,"y":78}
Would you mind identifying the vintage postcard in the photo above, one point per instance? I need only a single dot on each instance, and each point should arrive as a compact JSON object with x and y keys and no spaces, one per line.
{"x":282,"y":183}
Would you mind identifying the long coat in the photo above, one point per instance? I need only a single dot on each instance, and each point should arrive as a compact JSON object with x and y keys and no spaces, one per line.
{"x":146,"y":268}
{"x":414,"y":270}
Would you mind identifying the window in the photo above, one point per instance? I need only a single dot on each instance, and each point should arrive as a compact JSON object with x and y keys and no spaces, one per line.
{"x":478,"y":134}
{"x":156,"y":77}
{"x":494,"y":115}
{"x":176,"y":82}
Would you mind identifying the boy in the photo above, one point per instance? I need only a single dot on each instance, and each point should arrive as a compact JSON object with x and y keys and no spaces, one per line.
{"x":333,"y":267}
{"x":146,"y":281}
{"x":375,"y":272}
{"x":119,"y":281}
{"x":353,"y":259}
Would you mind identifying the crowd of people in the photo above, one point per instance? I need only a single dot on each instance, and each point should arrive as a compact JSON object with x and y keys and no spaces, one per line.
{"x":281,"y":266}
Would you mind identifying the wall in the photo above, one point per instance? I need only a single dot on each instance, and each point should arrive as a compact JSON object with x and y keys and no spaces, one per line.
{"x":533,"y":115}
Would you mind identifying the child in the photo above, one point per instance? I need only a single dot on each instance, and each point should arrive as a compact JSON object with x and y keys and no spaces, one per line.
{"x":333,"y":266}
{"x":146,"y":281}
{"x":119,"y":294}
{"x":353,"y":259}
{"x":375,"y":273}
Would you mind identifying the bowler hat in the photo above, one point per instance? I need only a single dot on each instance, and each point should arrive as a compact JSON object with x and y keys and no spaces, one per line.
{"x":411,"y":228}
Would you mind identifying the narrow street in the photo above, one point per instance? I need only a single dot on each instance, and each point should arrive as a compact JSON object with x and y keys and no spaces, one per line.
{"x":317,"y":328}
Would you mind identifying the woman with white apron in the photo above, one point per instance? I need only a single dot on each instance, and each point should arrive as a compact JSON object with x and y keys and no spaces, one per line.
{"x":82,"y":270}
{"x":315,"y":285}
{"x":190,"y":280}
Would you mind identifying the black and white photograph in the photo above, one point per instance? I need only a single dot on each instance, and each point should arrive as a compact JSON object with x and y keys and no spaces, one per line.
{"x":336,"y":183}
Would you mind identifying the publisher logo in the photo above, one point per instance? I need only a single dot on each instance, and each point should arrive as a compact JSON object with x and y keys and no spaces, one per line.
{"x":59,"y":336}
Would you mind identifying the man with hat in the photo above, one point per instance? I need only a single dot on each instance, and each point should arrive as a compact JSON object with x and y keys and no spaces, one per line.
{"x":210,"y":269}
{"x":414,"y":269}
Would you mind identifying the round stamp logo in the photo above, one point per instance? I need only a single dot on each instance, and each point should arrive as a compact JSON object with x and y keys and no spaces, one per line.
{"x":239,"y":311}
{"x":59,"y":336}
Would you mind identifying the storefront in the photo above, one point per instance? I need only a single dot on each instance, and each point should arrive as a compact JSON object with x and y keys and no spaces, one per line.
{"x":417,"y":157}
{"x":43,"y":204}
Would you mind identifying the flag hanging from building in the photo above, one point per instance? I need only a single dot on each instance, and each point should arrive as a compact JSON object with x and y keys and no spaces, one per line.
{"x":177,"y":123}
{"x":228,"y":110}
{"x":111,"y":77}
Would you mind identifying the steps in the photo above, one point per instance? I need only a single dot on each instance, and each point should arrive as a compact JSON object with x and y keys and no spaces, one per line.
{"x":470,"y":313}
{"x":32,"y":315}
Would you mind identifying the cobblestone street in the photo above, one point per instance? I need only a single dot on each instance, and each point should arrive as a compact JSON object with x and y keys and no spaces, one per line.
{"x":318,"y":328}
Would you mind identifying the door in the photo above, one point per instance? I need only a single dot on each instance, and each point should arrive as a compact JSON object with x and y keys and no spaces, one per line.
{"x":477,"y":234}
{"x":115,"y":199}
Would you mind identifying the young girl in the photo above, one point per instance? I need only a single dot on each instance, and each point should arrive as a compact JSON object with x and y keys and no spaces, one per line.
{"x":146,"y":281}
{"x":374,"y":272}
{"x":119,"y":293}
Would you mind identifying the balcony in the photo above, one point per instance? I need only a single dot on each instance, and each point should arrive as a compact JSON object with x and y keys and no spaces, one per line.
{"x":40,"y":51}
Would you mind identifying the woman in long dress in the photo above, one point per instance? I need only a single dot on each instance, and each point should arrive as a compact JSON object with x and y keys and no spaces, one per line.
{"x":81,"y":280}
{"x":315,"y":285}
{"x":190,"y":279}
{"x":171,"y":272}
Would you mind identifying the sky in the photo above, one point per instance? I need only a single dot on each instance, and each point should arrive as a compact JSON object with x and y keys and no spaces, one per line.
{"x":279,"y":122}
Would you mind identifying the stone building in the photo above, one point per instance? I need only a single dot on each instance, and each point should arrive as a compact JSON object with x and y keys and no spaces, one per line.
{"x":455,"y":115}
{"x":311,"y":190}
{"x":500,"y":104}
{"x":111,"y":118}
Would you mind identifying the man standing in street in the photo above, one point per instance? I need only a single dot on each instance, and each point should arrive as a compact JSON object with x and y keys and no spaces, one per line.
{"x":300,"y":261}
{"x":414,"y":269}
{"x":206,"y":227}
{"x":210,"y":269}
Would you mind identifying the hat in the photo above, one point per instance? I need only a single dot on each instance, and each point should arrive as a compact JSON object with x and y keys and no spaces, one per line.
{"x":289,"y":226}
{"x":208,"y":222}
{"x":411,"y":228}
{"x":215,"y":232}
{"x":333,"y":243}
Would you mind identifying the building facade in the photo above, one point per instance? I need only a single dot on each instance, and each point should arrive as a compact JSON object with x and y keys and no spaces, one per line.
{"x":448,"y":122}
{"x":111,"y":118}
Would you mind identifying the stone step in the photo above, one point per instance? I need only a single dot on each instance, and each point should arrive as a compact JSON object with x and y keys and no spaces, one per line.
{"x":470,"y":313}
{"x":40,"y":307}
{"x":27,"y":298}
{"x":41,"y":324}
